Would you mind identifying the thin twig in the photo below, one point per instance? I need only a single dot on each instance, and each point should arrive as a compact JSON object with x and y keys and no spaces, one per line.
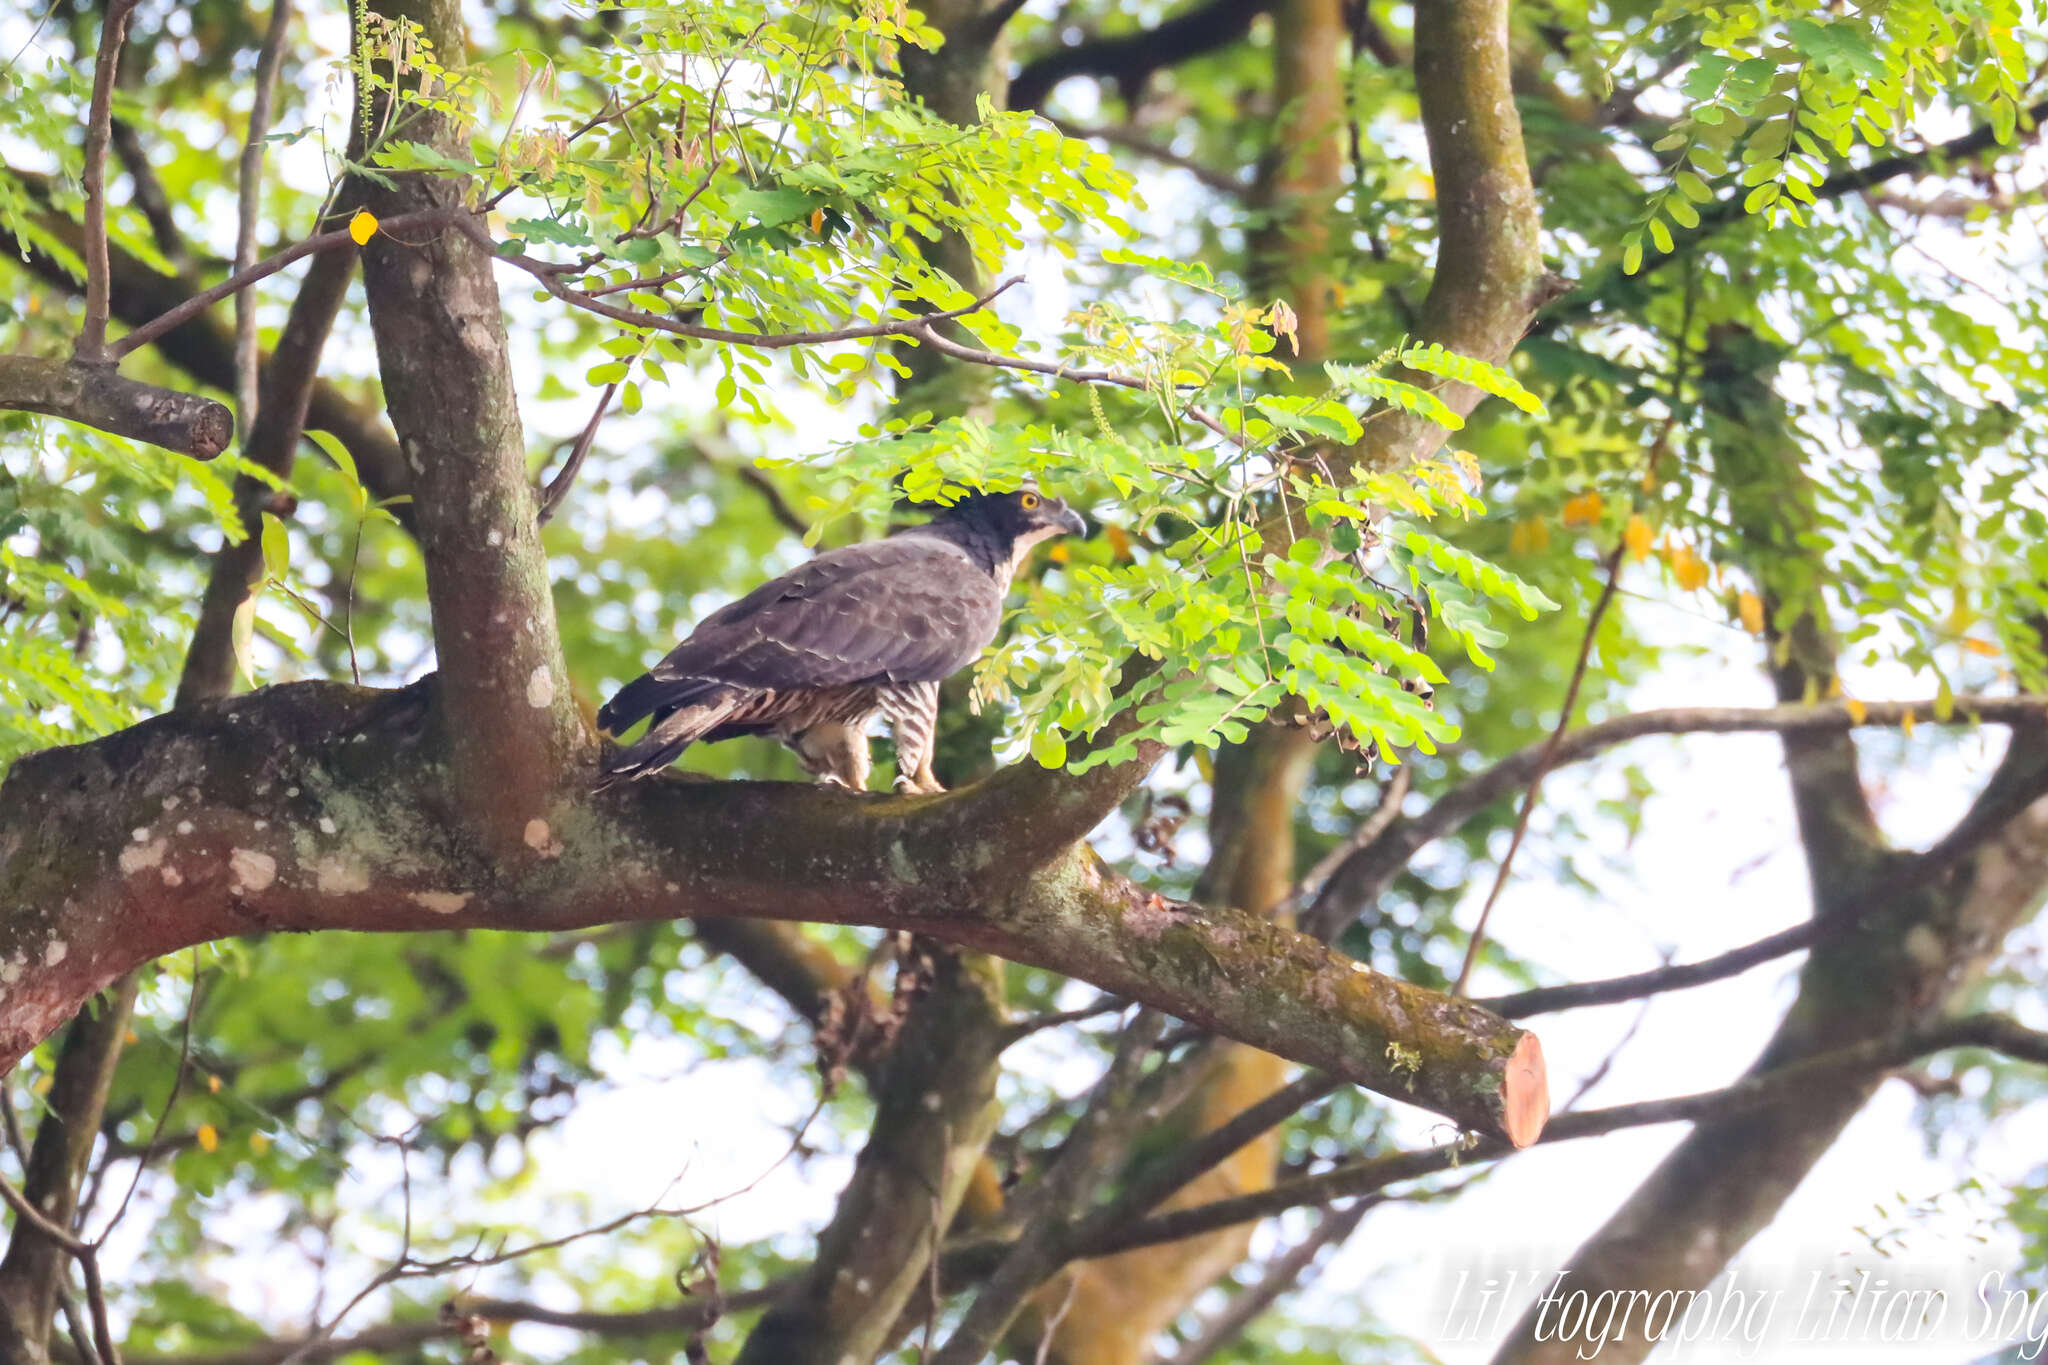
{"x":1206,"y":1152}
{"x":75,"y":1328}
{"x":1564,"y":721}
{"x":1365,"y":873}
{"x":1550,"y":999}
{"x":348,"y":601}
{"x":1038,"y":1023}
{"x":779,"y":508}
{"x":558,"y":487}
{"x":1052,"y":1324}
{"x":320,"y":241}
{"x":1383,"y":816}
{"x":149,"y":1150}
{"x":92,"y":331}
{"x":250,"y":204}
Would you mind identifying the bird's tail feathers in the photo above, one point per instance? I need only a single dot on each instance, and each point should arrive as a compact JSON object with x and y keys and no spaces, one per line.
{"x":675,"y":730}
{"x":648,"y":694}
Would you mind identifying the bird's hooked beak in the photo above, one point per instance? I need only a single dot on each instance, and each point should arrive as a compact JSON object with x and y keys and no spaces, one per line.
{"x":1070,"y":523}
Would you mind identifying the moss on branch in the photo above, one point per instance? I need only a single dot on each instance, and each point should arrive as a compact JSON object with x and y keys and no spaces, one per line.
{"x":322,"y":806}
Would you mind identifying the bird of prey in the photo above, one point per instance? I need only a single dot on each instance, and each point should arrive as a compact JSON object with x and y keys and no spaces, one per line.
{"x":811,"y":657}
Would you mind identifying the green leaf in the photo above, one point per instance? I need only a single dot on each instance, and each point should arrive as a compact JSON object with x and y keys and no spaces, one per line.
{"x":1434,"y":359}
{"x":1839,"y":45}
{"x":1049,"y":747}
{"x":331,"y":445}
{"x":773,"y":208}
{"x":277,"y":547}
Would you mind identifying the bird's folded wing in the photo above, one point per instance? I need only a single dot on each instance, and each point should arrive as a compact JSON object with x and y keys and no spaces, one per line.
{"x":908,"y":609}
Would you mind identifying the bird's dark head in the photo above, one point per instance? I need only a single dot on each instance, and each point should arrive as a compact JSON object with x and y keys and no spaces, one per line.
{"x":1002,"y":527}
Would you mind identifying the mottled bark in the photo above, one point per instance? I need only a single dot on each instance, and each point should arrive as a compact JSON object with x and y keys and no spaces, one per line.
{"x":1489,"y":278}
{"x":97,"y":395}
{"x":322,"y":806}
{"x":935,"y":1111}
{"x":448,"y":386}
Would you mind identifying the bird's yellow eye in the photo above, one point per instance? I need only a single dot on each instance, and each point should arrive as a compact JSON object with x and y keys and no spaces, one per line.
{"x":1028,"y":501}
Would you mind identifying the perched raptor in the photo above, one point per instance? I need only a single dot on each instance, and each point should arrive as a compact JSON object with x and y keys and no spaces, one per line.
{"x":811,"y":657}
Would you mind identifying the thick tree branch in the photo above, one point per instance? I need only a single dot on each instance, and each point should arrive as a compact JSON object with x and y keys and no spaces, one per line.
{"x":1099,"y":1139}
{"x":96,"y":395}
{"x":444,"y":357}
{"x":318,"y":805}
{"x":1131,"y":59}
{"x":1489,"y":277}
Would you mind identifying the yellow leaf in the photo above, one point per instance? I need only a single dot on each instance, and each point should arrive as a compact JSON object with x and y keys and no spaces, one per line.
{"x":209,"y":1138}
{"x":1688,"y":568}
{"x":1984,"y":647}
{"x":1906,"y":722}
{"x":1944,"y":703}
{"x":817,"y":221}
{"x":1636,"y":535}
{"x":259,"y":1142}
{"x":1752,"y":609}
{"x":362,"y":227}
{"x":213,"y":1085}
{"x":1584,"y":510}
{"x":1858,"y":712}
{"x":1057,"y":554}
{"x":1119,"y":541}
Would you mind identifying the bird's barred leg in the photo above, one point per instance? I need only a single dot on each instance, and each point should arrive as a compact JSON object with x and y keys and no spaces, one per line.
{"x":834,"y":753}
{"x":913,"y":711}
